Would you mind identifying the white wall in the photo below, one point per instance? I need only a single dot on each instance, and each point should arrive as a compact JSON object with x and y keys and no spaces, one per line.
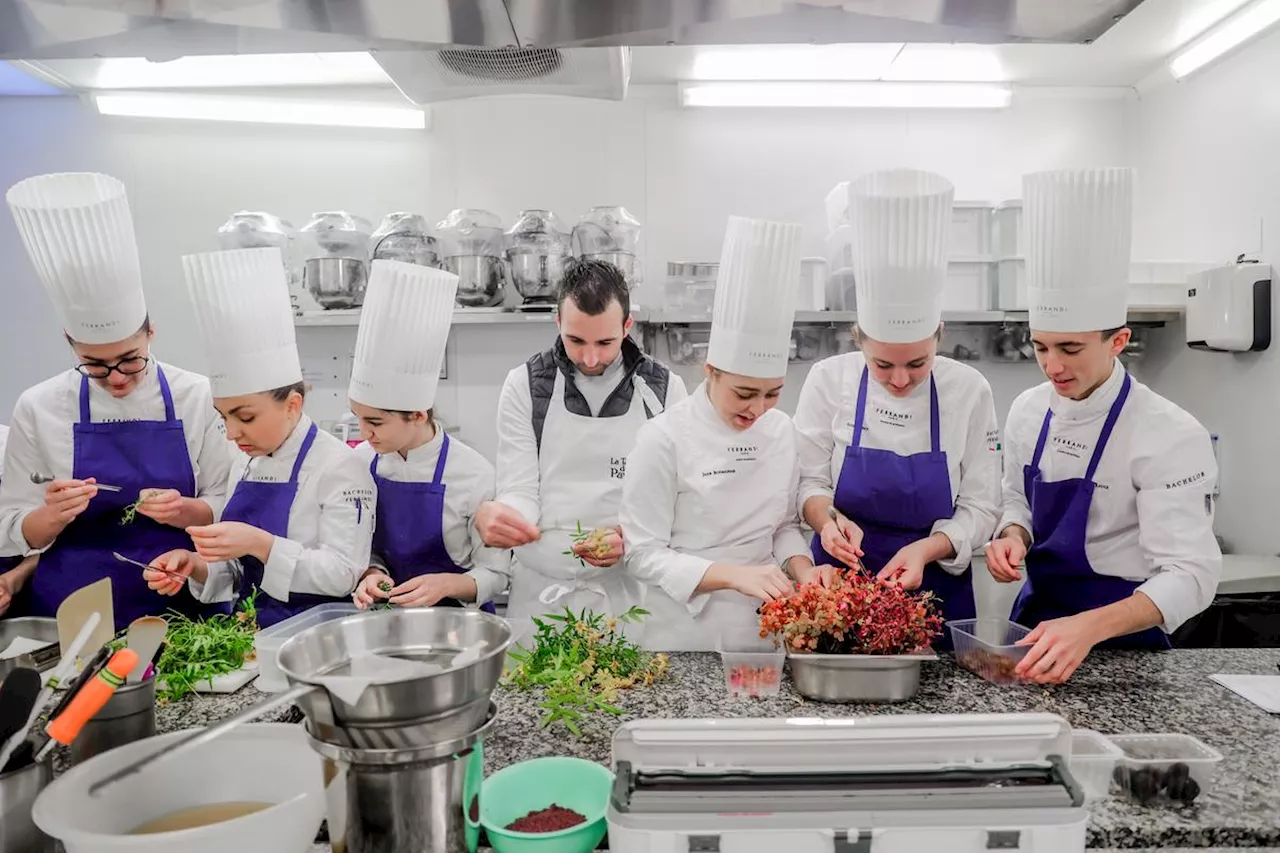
{"x":1208,"y":158}
{"x":681,"y":172}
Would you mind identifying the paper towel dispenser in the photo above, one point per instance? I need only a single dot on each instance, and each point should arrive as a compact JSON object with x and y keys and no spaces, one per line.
{"x":1229,"y":308}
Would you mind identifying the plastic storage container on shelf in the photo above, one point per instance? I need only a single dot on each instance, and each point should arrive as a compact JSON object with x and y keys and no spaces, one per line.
{"x":970,"y":231}
{"x":1006,"y":228}
{"x":690,"y":288}
{"x":1169,"y":768}
{"x":267,"y":642}
{"x":813,"y":284}
{"x":1093,"y":761}
{"x":1011,"y":286}
{"x":752,"y":666}
{"x":969,"y":285}
{"x":989,"y":647}
{"x":837,"y":206}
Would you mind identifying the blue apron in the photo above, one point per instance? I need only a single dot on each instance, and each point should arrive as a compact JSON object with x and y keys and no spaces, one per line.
{"x":1060,"y":581}
{"x":266,"y":506}
{"x":896,"y":500}
{"x":409,"y":533}
{"x":133,"y":455}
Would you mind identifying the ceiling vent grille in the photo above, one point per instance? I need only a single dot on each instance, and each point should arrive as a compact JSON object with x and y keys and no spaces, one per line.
{"x":428,"y":76}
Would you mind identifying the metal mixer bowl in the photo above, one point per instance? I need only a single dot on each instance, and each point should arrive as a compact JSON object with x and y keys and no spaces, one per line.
{"x":336,"y":282}
{"x":426,"y":634}
{"x":481,"y":279}
{"x":537,"y":277}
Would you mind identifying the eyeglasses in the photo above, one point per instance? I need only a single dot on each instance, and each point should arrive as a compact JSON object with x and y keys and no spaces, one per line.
{"x":130,"y":366}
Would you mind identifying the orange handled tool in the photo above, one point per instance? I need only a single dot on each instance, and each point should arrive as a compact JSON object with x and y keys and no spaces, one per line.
{"x":89,"y":701}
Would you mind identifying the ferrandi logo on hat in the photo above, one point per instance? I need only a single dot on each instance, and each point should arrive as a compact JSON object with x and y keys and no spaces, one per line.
{"x":901,"y":222}
{"x":755,"y":302}
{"x":1079,"y":230}
{"x":78,"y":232}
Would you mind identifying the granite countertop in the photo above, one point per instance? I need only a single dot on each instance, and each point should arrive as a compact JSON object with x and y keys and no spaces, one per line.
{"x":1114,"y":692}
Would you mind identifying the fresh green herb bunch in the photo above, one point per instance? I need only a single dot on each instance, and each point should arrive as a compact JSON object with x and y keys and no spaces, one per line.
{"x":385,"y":586}
{"x":196,"y":652}
{"x":580,"y":661}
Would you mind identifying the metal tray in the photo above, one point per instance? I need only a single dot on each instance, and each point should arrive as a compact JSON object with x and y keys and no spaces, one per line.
{"x":857,"y":678}
{"x":37,"y":628}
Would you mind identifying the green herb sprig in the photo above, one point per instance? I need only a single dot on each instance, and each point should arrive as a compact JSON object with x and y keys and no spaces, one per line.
{"x":385,"y":586}
{"x":131,"y":511}
{"x":593,"y":539}
{"x":580,"y":661}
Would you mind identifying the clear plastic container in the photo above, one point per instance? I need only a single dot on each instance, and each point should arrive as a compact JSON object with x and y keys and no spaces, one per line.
{"x":606,"y":230}
{"x":1012,"y":288}
{"x":971,"y":230}
{"x":468,"y":232}
{"x":1008,"y":224}
{"x":691,"y":288}
{"x":989,"y":647}
{"x":969,"y":285}
{"x":1093,"y":760}
{"x":1173,"y":769}
{"x":337,"y":234}
{"x":267,"y":642}
{"x":752,"y":666}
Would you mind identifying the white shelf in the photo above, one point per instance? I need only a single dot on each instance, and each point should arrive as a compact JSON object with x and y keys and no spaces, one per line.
{"x":658,"y":316}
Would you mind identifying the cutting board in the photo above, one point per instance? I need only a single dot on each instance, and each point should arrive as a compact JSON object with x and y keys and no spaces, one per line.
{"x":229,"y":682}
{"x":76,"y":609}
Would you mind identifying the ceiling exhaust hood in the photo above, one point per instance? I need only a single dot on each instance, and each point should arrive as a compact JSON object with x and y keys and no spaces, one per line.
{"x":440,"y":49}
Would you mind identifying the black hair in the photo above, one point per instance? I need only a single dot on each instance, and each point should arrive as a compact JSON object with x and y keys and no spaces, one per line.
{"x":1107,"y":334}
{"x":144,"y":329}
{"x":594,"y":286}
{"x":281,"y":394}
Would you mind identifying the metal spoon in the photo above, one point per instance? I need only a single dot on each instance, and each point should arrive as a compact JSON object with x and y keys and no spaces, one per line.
{"x":41,"y":479}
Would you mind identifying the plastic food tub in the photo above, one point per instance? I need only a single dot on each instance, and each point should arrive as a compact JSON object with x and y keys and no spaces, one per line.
{"x":1093,"y":761}
{"x":267,"y":642}
{"x":537,"y":784}
{"x":971,"y":230}
{"x":752,"y":666}
{"x":989,"y":647}
{"x":1168,"y":768}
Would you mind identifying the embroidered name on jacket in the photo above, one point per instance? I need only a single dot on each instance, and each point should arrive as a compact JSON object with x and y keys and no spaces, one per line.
{"x":1187,"y":481}
{"x":888,"y":417}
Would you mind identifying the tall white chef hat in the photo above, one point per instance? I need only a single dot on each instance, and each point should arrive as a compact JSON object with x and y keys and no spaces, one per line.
{"x":755,"y":304}
{"x":79,"y":235}
{"x":1079,"y":226}
{"x":243,"y":312}
{"x":901,"y":220}
{"x":404,"y":326}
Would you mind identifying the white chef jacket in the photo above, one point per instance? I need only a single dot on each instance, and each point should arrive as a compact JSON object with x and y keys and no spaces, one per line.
{"x":517,"y":483}
{"x":41,"y":440}
{"x":674,"y":531}
{"x":330,"y":522}
{"x":969,"y":436}
{"x":4,"y":440}
{"x":468,"y":480}
{"x":1151,"y":518}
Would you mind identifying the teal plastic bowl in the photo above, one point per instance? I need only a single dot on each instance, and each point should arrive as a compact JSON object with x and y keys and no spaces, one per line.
{"x":531,"y":786}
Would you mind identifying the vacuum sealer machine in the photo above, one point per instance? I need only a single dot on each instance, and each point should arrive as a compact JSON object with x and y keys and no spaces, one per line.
{"x":966,"y":783}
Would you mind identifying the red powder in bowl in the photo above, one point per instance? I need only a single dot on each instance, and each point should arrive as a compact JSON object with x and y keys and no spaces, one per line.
{"x":551,"y":819}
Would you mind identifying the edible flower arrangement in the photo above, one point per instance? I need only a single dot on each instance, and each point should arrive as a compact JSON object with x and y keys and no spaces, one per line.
{"x":856,"y":615}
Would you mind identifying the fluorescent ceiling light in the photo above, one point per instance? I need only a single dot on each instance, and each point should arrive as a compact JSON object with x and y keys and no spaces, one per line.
{"x":795,"y":62}
{"x":261,"y":110}
{"x":1226,"y":36}
{"x":855,"y":94}
{"x":270,"y":69}
{"x":953,"y":63}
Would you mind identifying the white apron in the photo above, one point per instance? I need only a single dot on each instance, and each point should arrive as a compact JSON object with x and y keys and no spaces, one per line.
{"x":723,"y":517}
{"x":580,"y":468}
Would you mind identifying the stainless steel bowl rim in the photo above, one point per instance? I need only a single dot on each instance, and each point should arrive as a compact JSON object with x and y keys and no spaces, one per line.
{"x":390,"y":757}
{"x":295,"y":678}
